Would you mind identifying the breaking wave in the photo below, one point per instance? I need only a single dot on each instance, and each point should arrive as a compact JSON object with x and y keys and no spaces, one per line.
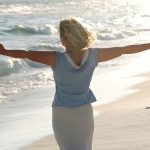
{"x":27,"y":30}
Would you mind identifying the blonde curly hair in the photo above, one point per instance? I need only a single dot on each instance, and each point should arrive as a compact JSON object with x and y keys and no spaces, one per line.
{"x":77,"y":36}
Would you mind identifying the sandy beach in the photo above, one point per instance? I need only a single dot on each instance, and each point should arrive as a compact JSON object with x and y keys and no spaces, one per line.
{"x":121,"y":85}
{"x":120,"y":125}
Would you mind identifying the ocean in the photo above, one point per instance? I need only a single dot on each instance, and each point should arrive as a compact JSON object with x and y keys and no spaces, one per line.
{"x":27,"y":88}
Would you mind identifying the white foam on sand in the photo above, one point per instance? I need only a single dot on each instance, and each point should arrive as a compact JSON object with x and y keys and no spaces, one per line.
{"x":26,"y":118}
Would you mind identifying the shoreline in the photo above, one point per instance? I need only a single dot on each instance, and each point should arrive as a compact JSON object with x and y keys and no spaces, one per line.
{"x":121,"y":124}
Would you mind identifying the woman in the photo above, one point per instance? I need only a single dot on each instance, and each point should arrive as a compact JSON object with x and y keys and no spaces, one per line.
{"x":72,"y":111}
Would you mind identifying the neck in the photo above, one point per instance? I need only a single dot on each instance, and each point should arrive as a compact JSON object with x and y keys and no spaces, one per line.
{"x":75,"y":51}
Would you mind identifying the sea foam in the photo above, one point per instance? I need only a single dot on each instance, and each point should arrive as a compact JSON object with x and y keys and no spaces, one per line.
{"x":26,"y":30}
{"x":9,"y":65}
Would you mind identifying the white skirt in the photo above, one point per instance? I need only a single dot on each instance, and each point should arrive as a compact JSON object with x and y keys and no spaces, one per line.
{"x":73,"y":127}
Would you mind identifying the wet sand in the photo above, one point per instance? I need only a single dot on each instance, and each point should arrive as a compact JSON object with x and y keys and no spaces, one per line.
{"x":121,"y":125}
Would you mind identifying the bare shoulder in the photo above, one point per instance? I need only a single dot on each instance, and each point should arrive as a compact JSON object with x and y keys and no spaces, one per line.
{"x":51,"y":58}
{"x":105,"y":54}
{"x":45,"y":57}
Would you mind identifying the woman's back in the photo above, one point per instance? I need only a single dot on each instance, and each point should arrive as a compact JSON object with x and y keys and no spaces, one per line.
{"x":72,"y":82}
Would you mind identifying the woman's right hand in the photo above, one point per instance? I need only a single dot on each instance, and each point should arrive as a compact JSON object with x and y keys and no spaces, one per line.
{"x":2,"y":49}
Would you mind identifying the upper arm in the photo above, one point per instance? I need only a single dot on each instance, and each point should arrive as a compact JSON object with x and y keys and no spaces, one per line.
{"x":44,"y":57}
{"x":106,"y":54}
{"x":113,"y":52}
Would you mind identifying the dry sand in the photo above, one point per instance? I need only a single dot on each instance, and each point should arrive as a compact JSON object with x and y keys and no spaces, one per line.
{"x":120,"y":125}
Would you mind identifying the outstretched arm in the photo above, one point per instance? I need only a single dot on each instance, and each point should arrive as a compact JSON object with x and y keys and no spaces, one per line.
{"x":106,"y":54}
{"x":45,"y":57}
